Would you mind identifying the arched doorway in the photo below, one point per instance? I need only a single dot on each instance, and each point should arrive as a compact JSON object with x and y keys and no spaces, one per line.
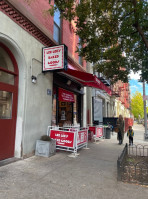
{"x":8,"y":102}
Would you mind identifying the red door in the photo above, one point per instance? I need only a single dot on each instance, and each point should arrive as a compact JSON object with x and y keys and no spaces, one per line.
{"x":8,"y":102}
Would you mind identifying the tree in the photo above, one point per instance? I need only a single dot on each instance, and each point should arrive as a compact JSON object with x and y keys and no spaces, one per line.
{"x":114,"y":34}
{"x":137,"y":105}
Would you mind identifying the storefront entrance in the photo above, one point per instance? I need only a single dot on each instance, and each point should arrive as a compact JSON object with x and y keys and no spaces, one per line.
{"x":8,"y":102}
{"x":67,"y":102}
{"x":65,"y":116}
{"x":67,"y":111}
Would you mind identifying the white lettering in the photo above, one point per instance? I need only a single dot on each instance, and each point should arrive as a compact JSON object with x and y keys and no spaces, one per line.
{"x":57,"y":135}
{"x":53,"y":57}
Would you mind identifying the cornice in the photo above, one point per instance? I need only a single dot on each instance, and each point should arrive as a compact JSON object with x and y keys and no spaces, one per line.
{"x":25,"y":23}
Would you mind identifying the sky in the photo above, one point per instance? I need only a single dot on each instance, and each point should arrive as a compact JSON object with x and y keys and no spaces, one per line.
{"x":135,"y":85}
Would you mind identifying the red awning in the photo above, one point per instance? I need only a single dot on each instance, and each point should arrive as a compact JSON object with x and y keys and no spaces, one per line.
{"x":87,"y":79}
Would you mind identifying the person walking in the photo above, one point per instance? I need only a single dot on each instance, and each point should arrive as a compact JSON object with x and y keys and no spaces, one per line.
{"x":130,"y":134}
{"x":120,"y":126}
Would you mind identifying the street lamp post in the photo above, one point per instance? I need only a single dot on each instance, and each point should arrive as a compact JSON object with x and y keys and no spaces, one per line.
{"x":145,"y":112}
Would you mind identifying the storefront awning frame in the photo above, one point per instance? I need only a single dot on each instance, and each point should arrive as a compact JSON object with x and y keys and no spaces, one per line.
{"x":86,"y":79}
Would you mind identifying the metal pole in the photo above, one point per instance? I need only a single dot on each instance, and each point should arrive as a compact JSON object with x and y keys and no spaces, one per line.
{"x":145,"y":114}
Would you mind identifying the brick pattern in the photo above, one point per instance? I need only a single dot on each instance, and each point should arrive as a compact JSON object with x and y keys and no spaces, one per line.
{"x":28,"y":26}
{"x":25,"y":23}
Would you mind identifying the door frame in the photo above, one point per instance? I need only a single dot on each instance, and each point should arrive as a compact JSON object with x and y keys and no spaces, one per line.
{"x":13,"y":89}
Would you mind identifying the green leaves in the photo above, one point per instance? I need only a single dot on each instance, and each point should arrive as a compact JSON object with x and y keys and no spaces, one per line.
{"x":114,"y":34}
{"x":137,"y":105}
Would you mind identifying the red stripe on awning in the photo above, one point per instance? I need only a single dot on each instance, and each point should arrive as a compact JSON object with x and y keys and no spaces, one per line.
{"x":87,"y":79}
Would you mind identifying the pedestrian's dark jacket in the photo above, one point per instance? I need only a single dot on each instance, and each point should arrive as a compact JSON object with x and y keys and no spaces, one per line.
{"x":130,"y":133}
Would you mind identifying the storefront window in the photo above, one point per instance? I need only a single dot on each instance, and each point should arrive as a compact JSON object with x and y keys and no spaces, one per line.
{"x":6,"y":78}
{"x":57,"y":26}
{"x":5,"y":61}
{"x":5,"y":105}
{"x":64,"y":113}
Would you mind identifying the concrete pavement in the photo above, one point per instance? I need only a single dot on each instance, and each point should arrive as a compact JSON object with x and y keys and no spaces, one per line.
{"x":92,"y":175}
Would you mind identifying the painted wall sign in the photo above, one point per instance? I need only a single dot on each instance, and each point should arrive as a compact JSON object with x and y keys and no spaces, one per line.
{"x":55,"y":58}
{"x":65,"y":96}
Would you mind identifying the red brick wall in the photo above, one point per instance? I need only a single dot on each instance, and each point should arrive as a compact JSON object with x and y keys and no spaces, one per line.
{"x":123,"y":89}
{"x":70,"y":39}
{"x":128,"y":122}
{"x":38,"y":10}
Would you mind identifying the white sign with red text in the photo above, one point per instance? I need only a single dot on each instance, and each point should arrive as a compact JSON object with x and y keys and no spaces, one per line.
{"x":66,"y":96}
{"x":53,"y":58}
{"x":82,"y":137}
{"x":99,"y":132}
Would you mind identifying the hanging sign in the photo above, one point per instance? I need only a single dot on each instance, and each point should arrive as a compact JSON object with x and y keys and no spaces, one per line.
{"x":55,"y":58}
{"x":66,"y":96}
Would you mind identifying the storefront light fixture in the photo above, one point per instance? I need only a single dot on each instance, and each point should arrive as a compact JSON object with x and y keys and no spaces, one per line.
{"x":68,"y":82}
{"x":34,"y":79}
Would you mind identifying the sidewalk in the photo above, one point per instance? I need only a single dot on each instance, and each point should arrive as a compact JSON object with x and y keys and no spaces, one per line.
{"x":92,"y":175}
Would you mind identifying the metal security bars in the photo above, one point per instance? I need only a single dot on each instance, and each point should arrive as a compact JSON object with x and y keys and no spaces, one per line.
{"x":132,"y":165}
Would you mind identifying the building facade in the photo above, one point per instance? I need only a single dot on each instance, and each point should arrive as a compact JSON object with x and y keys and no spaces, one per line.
{"x":30,"y":99}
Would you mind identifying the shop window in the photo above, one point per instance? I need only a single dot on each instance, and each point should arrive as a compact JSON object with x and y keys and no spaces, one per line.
{"x":6,"y":68}
{"x":6,"y":78}
{"x":5,"y":105}
{"x":64,"y":113}
{"x":68,"y":113}
{"x":57,"y":27}
{"x":80,"y":57}
{"x":5,"y":61}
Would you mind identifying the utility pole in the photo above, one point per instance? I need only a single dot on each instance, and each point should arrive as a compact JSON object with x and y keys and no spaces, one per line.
{"x":145,"y":113}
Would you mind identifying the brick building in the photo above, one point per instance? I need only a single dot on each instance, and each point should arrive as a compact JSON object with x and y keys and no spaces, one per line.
{"x":30,"y":100}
